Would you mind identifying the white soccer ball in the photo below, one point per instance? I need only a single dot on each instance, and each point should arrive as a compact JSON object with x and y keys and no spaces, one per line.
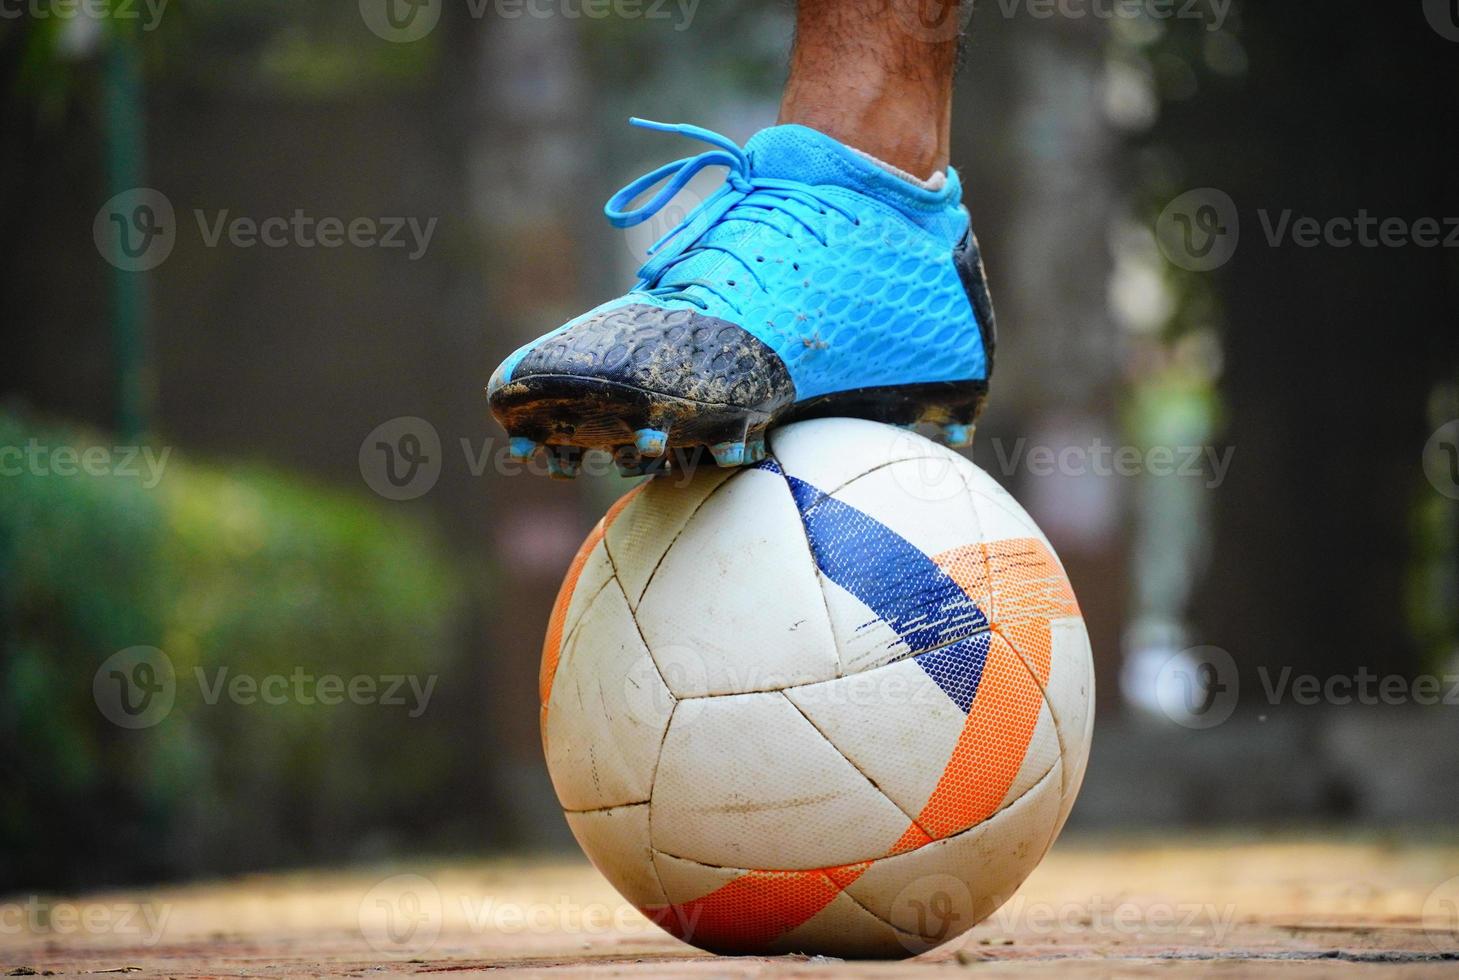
{"x":838,"y":702}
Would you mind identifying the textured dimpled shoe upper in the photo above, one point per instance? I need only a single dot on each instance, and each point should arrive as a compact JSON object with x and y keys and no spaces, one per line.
{"x":812,"y":275}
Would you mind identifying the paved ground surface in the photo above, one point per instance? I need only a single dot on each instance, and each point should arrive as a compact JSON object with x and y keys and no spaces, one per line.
{"x":1224,"y":905}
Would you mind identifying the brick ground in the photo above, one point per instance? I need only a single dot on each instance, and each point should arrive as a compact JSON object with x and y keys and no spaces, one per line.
{"x":1233,"y":906}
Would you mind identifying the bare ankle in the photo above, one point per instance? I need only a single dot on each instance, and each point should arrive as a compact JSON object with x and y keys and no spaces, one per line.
{"x":891,"y":130}
{"x":859,"y":76}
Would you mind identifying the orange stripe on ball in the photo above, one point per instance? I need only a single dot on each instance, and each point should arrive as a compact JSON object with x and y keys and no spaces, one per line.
{"x":552,"y":644}
{"x":1021,"y":588}
{"x":991,"y":747}
{"x":751,"y":911}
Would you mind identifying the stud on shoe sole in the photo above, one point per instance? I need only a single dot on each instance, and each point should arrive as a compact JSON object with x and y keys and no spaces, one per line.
{"x":564,"y":462}
{"x":957,"y":436}
{"x":728,"y":453}
{"x":522,"y":448}
{"x":679,"y":433}
{"x":651,"y":442}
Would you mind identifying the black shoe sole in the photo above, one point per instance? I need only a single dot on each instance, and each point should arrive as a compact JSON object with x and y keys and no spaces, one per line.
{"x":566,"y":415}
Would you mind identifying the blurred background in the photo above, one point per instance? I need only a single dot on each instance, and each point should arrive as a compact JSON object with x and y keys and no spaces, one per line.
{"x":263,"y":256}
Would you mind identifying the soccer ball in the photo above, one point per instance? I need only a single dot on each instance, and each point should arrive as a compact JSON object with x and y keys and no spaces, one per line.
{"x":837,"y":702}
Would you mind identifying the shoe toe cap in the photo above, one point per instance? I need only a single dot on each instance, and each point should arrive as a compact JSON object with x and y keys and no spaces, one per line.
{"x":668,"y":351}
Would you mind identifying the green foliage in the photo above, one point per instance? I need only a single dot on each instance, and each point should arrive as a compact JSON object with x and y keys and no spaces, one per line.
{"x":229,"y":571}
{"x":641,"y":65}
{"x":265,"y":47}
{"x":1432,"y":580}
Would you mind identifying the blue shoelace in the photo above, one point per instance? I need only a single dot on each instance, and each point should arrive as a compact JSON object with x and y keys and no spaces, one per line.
{"x":780,"y":204}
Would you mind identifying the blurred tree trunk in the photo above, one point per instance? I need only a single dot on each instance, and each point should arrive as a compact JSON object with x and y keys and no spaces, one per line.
{"x":1330,"y":351}
{"x":1041,"y":165}
{"x":528,"y":168}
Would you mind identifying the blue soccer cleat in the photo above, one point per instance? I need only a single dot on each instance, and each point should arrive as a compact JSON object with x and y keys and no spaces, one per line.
{"x":815,"y":282}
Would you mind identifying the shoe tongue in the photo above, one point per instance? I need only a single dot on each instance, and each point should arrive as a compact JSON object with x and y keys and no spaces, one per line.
{"x":800,"y":153}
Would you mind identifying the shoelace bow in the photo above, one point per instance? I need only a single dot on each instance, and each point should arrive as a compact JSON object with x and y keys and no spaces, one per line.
{"x":763,"y":200}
